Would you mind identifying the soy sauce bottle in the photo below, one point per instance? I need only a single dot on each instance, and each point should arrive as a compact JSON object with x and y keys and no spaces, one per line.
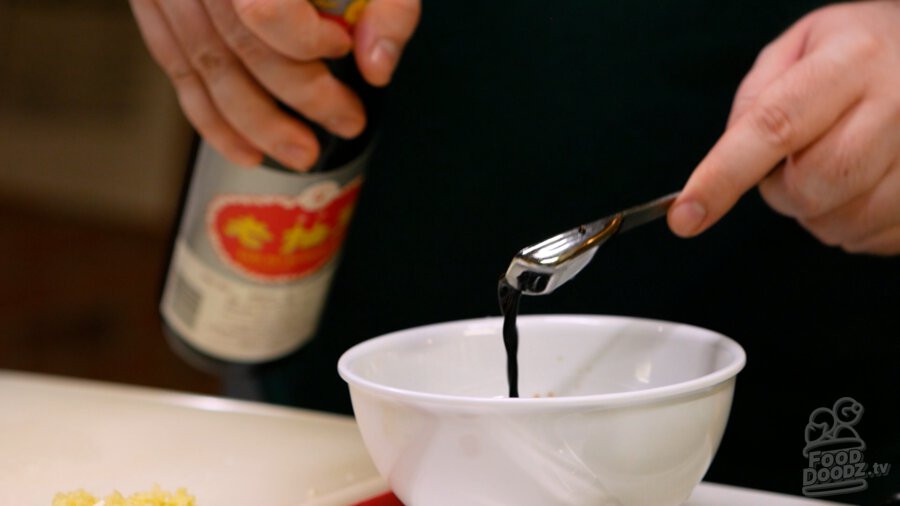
{"x":255,"y":251}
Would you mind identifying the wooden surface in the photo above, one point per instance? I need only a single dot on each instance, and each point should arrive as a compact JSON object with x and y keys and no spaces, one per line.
{"x":79,"y":299}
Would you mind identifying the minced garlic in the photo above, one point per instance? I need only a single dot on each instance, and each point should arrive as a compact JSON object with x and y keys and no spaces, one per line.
{"x":155,"y":497}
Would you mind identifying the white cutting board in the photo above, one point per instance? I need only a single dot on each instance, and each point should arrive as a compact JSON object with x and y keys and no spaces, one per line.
{"x":60,"y":434}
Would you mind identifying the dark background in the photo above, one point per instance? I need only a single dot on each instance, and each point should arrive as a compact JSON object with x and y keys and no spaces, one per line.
{"x":516,"y":120}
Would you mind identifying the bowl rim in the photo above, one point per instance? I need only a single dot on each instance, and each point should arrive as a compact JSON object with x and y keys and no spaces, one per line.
{"x":692,"y":387}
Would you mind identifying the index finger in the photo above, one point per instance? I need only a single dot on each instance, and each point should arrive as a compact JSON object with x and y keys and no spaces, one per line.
{"x":789,"y":114}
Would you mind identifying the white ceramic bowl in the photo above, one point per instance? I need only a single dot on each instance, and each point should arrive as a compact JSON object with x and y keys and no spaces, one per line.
{"x":614,"y":411}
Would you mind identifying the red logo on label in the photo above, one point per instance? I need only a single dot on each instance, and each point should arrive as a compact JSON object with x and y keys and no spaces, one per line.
{"x":280,"y":238}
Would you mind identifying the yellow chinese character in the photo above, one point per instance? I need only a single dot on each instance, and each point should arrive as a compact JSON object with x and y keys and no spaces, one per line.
{"x":249,"y":231}
{"x":298,"y":237}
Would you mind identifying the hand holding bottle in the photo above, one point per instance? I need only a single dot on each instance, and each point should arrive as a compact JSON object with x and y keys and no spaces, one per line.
{"x":821,"y":106}
{"x":232,"y":61}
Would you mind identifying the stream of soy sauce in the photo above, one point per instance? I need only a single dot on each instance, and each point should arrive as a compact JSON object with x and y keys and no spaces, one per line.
{"x":509,"y":306}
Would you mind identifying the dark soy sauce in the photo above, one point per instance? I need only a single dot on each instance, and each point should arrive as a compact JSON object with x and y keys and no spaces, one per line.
{"x":509,"y":307}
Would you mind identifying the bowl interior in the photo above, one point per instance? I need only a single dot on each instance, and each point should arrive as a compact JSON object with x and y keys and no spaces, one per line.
{"x":559,"y":356}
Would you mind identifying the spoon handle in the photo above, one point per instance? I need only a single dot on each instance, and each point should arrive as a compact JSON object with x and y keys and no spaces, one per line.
{"x":645,"y":213}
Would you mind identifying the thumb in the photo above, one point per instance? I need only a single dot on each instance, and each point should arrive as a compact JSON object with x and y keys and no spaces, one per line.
{"x":381,"y":34}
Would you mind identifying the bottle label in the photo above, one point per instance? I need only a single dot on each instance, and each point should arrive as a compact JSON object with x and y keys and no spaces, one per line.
{"x":281,"y":238}
{"x":254,"y":256}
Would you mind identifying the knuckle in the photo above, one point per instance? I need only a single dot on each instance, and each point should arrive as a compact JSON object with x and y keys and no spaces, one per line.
{"x":247,"y":46}
{"x":180,"y":74}
{"x":211,"y":63}
{"x":774,"y":124}
{"x":865,"y":45}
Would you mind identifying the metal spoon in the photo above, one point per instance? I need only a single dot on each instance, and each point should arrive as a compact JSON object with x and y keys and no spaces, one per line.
{"x":543,"y":267}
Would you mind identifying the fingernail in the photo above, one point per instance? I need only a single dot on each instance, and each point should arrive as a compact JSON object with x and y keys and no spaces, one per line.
{"x":384,"y":54}
{"x":297,"y":155}
{"x":687,"y":218}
